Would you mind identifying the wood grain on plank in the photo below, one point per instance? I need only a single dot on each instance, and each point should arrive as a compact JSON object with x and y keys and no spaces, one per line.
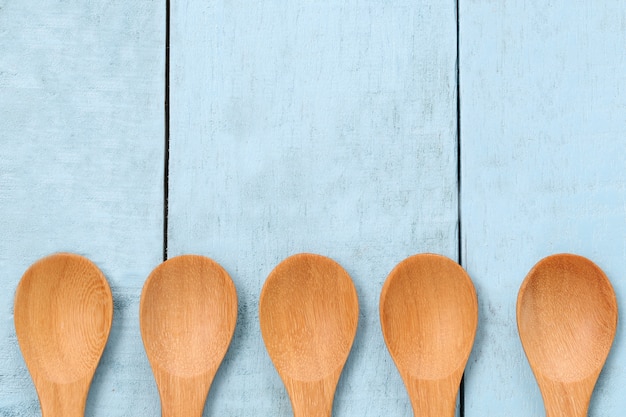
{"x":82,"y":171}
{"x":542,"y":131}
{"x":320,"y":127}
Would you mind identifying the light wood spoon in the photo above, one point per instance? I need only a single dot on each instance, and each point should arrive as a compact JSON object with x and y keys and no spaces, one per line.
{"x":63,"y":313}
{"x":567,"y":318}
{"x":187,"y":314}
{"x":308,"y":314}
{"x":429,"y":315}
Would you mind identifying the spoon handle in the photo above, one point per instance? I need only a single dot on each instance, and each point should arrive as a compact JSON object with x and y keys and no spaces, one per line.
{"x":312,"y":398}
{"x":566,"y":399}
{"x":182,"y":397}
{"x":62,"y":400}
{"x":432,"y":398}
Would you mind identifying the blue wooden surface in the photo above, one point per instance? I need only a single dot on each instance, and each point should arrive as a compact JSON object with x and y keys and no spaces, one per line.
{"x":81,"y":170}
{"x":321,"y":127}
{"x":312,"y":127}
{"x":543,"y":171}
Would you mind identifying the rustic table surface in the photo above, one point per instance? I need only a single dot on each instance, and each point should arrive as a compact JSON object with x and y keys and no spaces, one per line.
{"x":325,"y":127}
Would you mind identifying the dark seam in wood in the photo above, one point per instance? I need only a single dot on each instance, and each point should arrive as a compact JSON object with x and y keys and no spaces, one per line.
{"x":167,"y":130}
{"x":458,"y":176}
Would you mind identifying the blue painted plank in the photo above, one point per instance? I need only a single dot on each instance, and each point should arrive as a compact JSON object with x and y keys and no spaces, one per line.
{"x":312,"y":127}
{"x":542,"y":134}
{"x":81,"y":170}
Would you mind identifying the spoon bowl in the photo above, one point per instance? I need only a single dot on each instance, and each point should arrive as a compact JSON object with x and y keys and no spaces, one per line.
{"x":63,"y":314}
{"x":567,"y":318}
{"x":429,"y":316}
{"x":308,"y":313}
{"x":188,"y":312}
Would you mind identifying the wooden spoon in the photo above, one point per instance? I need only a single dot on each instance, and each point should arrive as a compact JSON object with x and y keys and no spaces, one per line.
{"x":429,"y":315}
{"x":187,"y":315}
{"x":308,"y":313}
{"x":63,"y":313}
{"x":566,"y":317}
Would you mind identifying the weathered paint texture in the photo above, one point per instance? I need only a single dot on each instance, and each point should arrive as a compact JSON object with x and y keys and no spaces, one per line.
{"x":543,"y":171}
{"x":326,"y":127}
{"x":312,"y":127}
{"x":81,"y":170}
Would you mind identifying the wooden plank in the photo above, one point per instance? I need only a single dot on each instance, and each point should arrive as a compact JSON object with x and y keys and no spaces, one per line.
{"x":82,"y":170}
{"x":542,"y":172}
{"x":312,"y":127}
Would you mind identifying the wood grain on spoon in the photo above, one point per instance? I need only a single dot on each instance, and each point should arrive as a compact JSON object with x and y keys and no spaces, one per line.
{"x":63,"y":314}
{"x":567,"y":318}
{"x":308,"y":314}
{"x":429,"y":315}
{"x":188,"y":312}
